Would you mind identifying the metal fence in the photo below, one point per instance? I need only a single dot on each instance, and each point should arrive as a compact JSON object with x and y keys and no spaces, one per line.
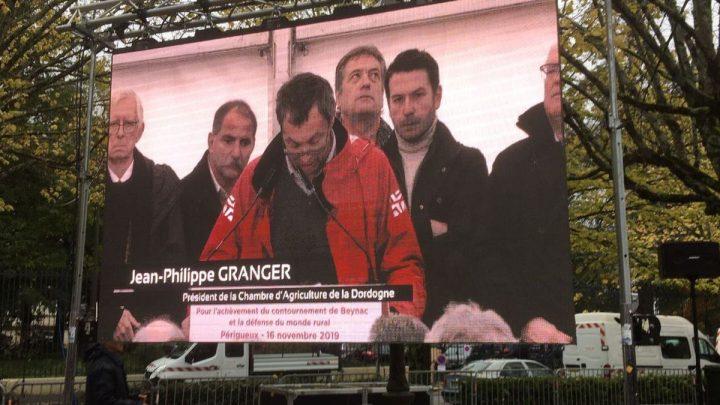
{"x":46,"y":359}
{"x":564,"y":387}
{"x":243,"y":391}
{"x":41,"y":391}
{"x":32,"y":307}
{"x":50,"y":363}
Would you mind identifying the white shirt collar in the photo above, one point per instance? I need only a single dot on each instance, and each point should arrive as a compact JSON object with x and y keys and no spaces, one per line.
{"x":125,"y":177}
{"x":212,"y":176}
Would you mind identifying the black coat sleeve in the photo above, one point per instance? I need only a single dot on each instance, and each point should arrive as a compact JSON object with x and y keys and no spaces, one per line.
{"x":105,"y":387}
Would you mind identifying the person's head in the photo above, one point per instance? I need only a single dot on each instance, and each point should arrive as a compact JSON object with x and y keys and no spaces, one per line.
{"x":126,"y":125}
{"x":412,"y":86}
{"x":551,"y":73}
{"x":398,"y":328}
{"x":305,"y":109}
{"x":468,"y":322}
{"x":114,"y":346}
{"x":231,"y":141}
{"x":359,"y":79}
{"x":159,"y":329}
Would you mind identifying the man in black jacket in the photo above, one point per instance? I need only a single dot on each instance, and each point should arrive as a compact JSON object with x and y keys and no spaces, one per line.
{"x":359,"y":77}
{"x":205,"y":189}
{"x":142,"y":219}
{"x":528,"y":273}
{"x":106,"y":377}
{"x":443,"y":179}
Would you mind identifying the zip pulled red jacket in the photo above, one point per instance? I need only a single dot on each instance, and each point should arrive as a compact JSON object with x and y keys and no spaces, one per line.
{"x":360,"y":186}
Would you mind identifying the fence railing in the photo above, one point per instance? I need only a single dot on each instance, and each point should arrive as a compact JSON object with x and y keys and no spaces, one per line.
{"x":564,"y":387}
{"x":335,"y":378}
{"x":241,"y":391}
{"x":49,"y":391}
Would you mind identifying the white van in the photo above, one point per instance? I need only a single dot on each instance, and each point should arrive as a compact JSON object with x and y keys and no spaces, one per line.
{"x":599,"y":344}
{"x":225,"y":360}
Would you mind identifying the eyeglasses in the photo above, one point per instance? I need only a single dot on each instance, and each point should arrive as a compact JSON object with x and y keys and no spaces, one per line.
{"x":309,"y":152}
{"x":127,"y":126}
{"x":550,"y":68}
{"x":312,"y":151}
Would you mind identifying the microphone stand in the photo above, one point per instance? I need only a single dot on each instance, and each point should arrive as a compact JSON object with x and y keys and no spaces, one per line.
{"x":398,"y":389}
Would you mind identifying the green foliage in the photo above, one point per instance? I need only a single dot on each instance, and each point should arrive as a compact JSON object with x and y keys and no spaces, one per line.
{"x":669,"y":92}
{"x":43,"y":79}
{"x":43,"y":90}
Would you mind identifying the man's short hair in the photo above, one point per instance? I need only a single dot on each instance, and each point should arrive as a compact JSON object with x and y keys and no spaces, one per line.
{"x":369,"y":50}
{"x":414,"y":59}
{"x":233,"y":105}
{"x":297,"y":96}
{"x":122,"y":94}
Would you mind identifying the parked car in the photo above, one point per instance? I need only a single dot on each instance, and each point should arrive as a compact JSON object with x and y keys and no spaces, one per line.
{"x":456,"y":355}
{"x":365,"y":352}
{"x":490,"y":368}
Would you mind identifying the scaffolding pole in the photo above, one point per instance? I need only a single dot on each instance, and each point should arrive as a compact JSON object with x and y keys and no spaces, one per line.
{"x":614,"y":126}
{"x":83,"y":193}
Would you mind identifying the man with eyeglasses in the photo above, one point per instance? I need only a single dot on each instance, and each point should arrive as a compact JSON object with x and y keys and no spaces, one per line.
{"x":323,"y":200}
{"x":359,"y":77}
{"x":205,"y":189}
{"x":142,"y":219}
{"x":526,"y":232}
{"x":442,"y":179}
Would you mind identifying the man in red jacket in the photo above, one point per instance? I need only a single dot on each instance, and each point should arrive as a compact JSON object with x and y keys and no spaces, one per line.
{"x":325,"y":201}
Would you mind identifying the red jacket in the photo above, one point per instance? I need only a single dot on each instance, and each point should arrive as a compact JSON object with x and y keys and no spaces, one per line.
{"x":360,"y":186}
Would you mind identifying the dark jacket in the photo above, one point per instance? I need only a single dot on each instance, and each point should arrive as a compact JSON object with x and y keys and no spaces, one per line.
{"x":143,"y":222}
{"x":142,"y":225}
{"x":384,"y":134}
{"x":200,"y":207}
{"x":449,"y":186}
{"x":526,"y":230}
{"x":106,"y":378}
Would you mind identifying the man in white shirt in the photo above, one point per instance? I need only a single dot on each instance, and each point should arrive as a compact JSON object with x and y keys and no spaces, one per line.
{"x":142,"y":222}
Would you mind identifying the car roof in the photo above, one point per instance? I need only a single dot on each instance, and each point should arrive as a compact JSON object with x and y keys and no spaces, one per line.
{"x":499,"y":362}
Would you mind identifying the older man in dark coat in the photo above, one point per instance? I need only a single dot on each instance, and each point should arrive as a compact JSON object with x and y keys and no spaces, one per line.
{"x":528,"y":273}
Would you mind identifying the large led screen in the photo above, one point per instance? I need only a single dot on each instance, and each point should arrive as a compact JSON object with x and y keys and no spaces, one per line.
{"x":393,"y":177}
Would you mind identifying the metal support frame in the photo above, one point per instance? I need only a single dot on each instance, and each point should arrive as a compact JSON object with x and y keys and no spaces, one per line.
{"x":103,"y":24}
{"x":113,"y":21}
{"x":83,"y":193}
{"x":629,"y":362}
{"x":699,"y":397}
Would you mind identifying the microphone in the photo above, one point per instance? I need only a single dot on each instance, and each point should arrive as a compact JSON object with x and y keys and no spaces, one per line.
{"x":327,"y":207}
{"x":259,"y":192}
